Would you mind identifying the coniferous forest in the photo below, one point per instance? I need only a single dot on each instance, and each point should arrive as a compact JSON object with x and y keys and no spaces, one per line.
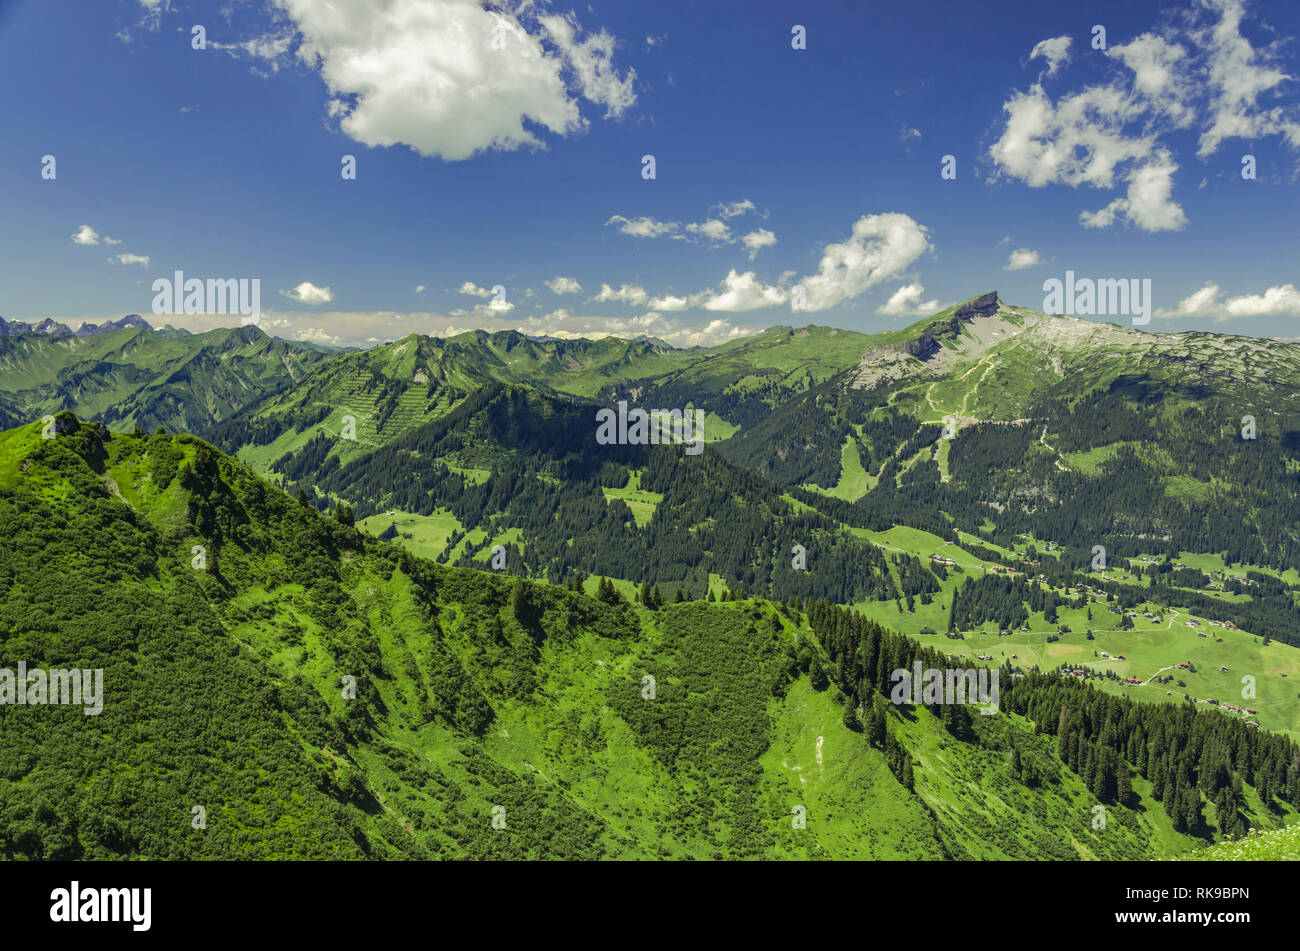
{"x":479,"y":431}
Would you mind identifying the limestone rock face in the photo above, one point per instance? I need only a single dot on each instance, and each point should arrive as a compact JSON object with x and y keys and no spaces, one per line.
{"x":891,"y":363}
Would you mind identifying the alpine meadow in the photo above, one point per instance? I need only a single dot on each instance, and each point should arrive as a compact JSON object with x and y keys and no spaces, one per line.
{"x":489,"y":430}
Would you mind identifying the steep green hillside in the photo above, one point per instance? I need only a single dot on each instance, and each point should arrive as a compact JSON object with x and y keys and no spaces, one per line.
{"x":497,"y":717}
{"x":1281,"y":845}
{"x":1016,"y":430}
{"x":958,"y":476}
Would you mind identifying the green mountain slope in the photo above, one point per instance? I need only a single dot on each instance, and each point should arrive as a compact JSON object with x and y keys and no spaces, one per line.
{"x":497,"y":717}
{"x":391,"y":390}
{"x":1011,"y":424}
{"x":1281,"y":845}
{"x":1067,"y":436}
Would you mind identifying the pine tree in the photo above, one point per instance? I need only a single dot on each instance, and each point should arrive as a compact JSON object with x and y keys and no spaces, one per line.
{"x":1191,"y":808}
{"x":607,"y":592}
{"x":816,"y":675}
{"x":851,"y":717}
{"x":1124,"y":786}
{"x":519,"y":600}
{"x":876,"y":728}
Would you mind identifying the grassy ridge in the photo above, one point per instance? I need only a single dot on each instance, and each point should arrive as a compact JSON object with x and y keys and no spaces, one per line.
{"x":477,"y":698}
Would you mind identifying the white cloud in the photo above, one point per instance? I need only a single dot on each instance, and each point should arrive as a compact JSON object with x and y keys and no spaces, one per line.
{"x":309,"y":293}
{"x":150,"y":18}
{"x":714,"y":332}
{"x":1020,"y":259}
{"x":473,"y":290}
{"x":1161,"y":76}
{"x":1203,"y":303}
{"x":907,"y":302}
{"x":88,"y":235}
{"x":756,"y":241}
{"x":142,"y":259}
{"x":670,"y":302}
{"x":316,"y":335}
{"x":627,"y":294}
{"x":1079,"y":141}
{"x":591,"y":62}
{"x":879,"y":248}
{"x":563,"y":285}
{"x":498,"y":305}
{"x":1239,"y":75}
{"x":419,"y":288}
{"x":447,"y":79}
{"x":741,"y":292}
{"x":651,"y":324}
{"x":712,"y":229}
{"x":1055,"y":50}
{"x":491,"y":308}
{"x":271,"y":49}
{"x":1149,"y":203}
{"x":1195,"y":71}
{"x":731,"y":209}
{"x":1278,"y":301}
{"x":643,"y":227}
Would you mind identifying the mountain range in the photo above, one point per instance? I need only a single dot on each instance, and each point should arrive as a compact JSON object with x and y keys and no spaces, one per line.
{"x":428,"y":598}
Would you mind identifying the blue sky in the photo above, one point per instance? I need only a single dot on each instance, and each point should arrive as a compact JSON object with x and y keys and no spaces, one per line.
{"x":521,"y":166}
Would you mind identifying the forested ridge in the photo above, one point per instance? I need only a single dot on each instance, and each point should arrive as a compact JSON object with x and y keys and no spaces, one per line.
{"x":223,"y":690}
{"x":1191,"y":757}
{"x":714,"y":516}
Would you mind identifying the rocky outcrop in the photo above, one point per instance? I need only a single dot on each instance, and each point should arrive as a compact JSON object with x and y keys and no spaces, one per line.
{"x":890,"y":363}
{"x":926,"y":345}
